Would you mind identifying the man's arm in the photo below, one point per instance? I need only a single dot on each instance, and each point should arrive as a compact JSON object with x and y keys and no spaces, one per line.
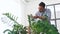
{"x":40,"y":17}
{"x":48,"y":14}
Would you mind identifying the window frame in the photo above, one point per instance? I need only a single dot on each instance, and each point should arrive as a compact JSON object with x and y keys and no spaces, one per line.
{"x":54,"y":13}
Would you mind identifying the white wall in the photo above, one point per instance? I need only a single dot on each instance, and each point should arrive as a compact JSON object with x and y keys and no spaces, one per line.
{"x":16,"y":7}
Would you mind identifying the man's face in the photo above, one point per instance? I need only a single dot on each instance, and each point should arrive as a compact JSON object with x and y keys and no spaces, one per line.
{"x":41,"y":8}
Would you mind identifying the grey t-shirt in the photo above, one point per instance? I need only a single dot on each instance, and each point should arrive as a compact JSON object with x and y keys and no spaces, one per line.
{"x":46,"y":12}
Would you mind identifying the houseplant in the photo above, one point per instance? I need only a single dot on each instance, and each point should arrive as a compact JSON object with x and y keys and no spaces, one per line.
{"x":42,"y":26}
{"x":36,"y":27}
{"x":17,"y":28}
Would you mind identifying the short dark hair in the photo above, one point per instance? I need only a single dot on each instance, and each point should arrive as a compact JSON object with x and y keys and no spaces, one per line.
{"x":42,"y":4}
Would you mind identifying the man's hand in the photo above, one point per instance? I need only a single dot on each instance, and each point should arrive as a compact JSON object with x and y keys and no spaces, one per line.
{"x":35,"y":16}
{"x":40,"y":17}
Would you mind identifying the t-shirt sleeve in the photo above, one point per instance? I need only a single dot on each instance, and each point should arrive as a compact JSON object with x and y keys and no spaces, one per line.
{"x":49,"y":14}
{"x":36,"y":14}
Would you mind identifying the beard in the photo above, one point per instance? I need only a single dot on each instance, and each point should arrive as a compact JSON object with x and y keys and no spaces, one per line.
{"x":41,"y":11}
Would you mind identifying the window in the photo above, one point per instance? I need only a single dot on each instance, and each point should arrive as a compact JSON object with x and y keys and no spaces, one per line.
{"x":57,"y":8}
{"x":52,"y":22}
{"x":55,"y":15}
{"x":58,"y":25}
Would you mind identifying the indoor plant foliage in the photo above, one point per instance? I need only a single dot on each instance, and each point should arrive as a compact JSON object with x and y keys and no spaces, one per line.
{"x":36,"y":27}
{"x":17,"y":28}
{"x":41,"y":26}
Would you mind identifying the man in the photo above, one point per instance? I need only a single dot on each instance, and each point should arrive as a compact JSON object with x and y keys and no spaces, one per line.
{"x":42,"y":12}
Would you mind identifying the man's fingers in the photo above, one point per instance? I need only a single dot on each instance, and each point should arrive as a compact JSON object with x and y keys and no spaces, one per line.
{"x":35,"y":17}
